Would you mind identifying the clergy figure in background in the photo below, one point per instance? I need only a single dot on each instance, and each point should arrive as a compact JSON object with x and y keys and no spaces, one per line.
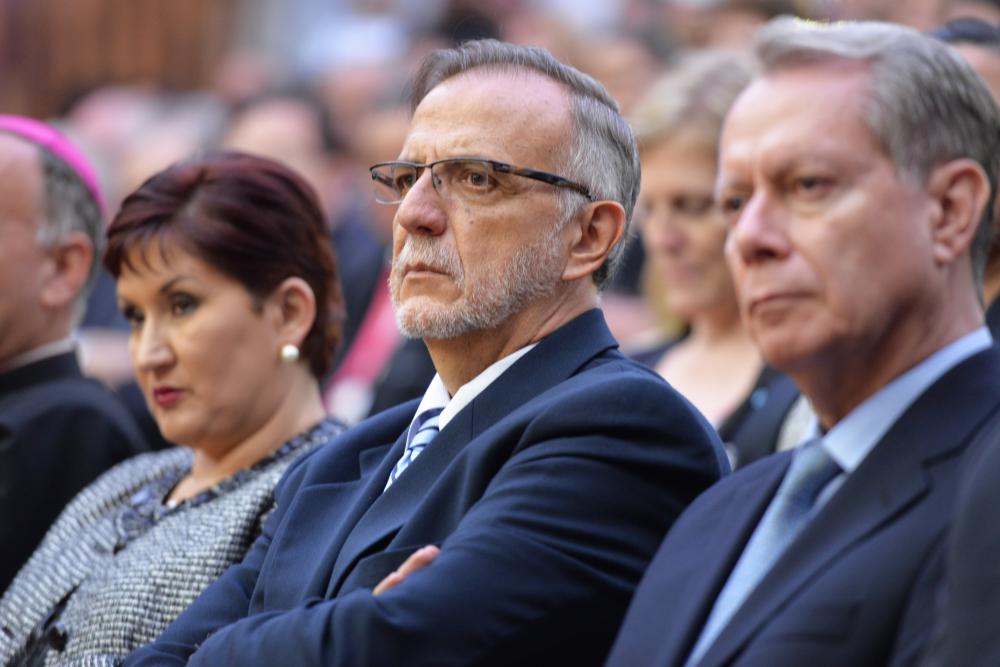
{"x":58,"y":429}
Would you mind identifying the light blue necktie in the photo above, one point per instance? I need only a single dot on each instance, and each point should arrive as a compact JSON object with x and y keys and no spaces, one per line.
{"x":422,"y":431}
{"x":790,"y":509}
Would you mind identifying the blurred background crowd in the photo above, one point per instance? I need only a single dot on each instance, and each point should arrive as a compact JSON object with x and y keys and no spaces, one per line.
{"x":319,"y":85}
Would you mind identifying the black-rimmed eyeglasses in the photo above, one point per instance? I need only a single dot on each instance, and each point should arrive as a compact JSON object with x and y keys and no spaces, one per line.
{"x":470,"y":179}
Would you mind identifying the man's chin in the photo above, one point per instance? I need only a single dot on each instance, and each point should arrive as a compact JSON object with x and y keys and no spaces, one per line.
{"x":781,"y":348}
{"x":430,"y":320}
{"x":795,"y":356}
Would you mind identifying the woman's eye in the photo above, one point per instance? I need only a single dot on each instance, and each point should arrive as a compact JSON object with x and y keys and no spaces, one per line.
{"x":134,"y":316}
{"x":182,"y":304}
{"x":693,"y":205}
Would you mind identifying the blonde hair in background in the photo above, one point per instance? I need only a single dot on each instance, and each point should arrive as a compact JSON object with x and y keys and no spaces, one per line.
{"x":692,"y":97}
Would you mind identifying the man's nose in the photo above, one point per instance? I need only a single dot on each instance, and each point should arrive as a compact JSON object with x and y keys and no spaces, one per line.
{"x":759,"y":232}
{"x":422,"y":210}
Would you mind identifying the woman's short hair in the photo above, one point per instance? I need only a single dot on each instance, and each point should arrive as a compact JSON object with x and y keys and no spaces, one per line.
{"x":249,"y":217}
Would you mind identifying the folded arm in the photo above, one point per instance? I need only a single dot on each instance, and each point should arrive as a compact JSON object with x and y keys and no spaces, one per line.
{"x":543,"y":565}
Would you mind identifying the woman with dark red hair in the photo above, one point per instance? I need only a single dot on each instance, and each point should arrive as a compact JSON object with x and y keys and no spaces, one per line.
{"x":225,"y":272}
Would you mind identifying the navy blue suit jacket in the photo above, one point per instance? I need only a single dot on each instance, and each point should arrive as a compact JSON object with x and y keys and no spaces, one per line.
{"x":751,"y":431}
{"x":857,"y":586}
{"x":548,"y":495}
{"x":969,"y":602}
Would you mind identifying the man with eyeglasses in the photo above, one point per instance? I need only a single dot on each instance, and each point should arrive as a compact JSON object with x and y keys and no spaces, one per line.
{"x":523,"y":495}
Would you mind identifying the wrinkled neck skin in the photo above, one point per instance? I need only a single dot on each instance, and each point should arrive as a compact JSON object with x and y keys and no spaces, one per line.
{"x":840,"y":379}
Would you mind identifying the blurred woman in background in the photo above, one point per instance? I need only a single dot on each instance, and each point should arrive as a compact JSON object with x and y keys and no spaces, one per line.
{"x":225,"y":272}
{"x":712,"y":362}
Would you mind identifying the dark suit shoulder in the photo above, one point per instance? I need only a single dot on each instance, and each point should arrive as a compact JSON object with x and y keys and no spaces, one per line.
{"x":64,"y":396}
{"x":718,"y":499}
{"x":969,"y":599}
{"x":72,"y":411}
{"x":344,"y":458}
{"x":855,"y":584}
{"x":55,"y":438}
{"x":623,"y":394}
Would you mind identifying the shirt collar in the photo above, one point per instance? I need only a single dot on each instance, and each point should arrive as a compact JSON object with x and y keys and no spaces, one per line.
{"x":854,"y":436}
{"x":437,"y":395}
{"x":52,"y":349}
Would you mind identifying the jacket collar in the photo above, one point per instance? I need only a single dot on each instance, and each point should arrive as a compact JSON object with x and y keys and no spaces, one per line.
{"x":890,"y":479}
{"x":59,"y":367}
{"x":555,"y":358}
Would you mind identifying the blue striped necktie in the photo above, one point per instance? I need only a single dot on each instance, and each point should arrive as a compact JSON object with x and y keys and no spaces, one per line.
{"x":790,"y":509}
{"x":422,"y":431}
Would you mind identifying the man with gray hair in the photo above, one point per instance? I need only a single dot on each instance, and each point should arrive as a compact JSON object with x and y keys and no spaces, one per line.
{"x":969,"y":602}
{"x":58,"y":430}
{"x":856,"y":173}
{"x":979,"y":44}
{"x":540,"y":469}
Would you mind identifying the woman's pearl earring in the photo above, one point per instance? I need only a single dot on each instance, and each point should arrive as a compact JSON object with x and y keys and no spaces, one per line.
{"x":289,"y":353}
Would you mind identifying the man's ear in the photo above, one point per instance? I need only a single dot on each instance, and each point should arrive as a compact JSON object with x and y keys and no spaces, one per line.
{"x":70,"y":259}
{"x":293,"y":304}
{"x":597,"y":228}
{"x":961,"y":190}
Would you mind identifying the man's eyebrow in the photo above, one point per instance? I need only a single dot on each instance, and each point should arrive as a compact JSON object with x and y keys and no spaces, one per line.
{"x":723,"y":183}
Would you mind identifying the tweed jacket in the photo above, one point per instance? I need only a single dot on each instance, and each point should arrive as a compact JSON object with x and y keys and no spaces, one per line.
{"x":118,"y":565}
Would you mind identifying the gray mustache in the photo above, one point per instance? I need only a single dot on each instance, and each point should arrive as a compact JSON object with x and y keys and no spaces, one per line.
{"x":420,"y":250}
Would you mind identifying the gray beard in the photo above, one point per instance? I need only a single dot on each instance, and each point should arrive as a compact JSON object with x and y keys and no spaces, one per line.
{"x":532,"y":273}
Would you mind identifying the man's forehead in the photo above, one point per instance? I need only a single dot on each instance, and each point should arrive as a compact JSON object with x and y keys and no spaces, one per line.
{"x":813,"y":105}
{"x":506,"y":107}
{"x":20,"y":177}
{"x":802,"y":86}
{"x":17,"y":153}
{"x":509,"y":87}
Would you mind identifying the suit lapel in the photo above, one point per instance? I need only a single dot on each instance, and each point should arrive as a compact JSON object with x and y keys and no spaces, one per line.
{"x":694,"y":586}
{"x":355,"y":535}
{"x":888,"y":481}
{"x":553,"y":360}
{"x":344,"y":497}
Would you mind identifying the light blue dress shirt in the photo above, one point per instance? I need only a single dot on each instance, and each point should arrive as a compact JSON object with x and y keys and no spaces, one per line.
{"x":853,"y":437}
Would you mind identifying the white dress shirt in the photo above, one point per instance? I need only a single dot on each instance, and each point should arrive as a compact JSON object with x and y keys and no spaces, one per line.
{"x":437,"y":395}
